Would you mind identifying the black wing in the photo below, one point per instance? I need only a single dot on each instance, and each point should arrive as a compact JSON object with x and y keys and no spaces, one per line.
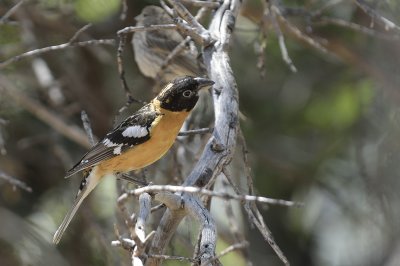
{"x":132,"y":131}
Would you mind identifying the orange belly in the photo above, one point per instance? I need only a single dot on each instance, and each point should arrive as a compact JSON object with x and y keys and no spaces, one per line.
{"x":162,"y":136}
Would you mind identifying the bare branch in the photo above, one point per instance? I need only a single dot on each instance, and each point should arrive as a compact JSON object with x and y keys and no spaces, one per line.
{"x":14,"y":182}
{"x":206,"y":192}
{"x":251,"y":209}
{"x":281,"y":39}
{"x":229,"y":249}
{"x":146,"y":28}
{"x":87,"y":127}
{"x":389,"y":25}
{"x":121,"y":71}
{"x":186,"y":29}
{"x":179,"y":48}
{"x":10,"y":12}
{"x":129,"y":178}
{"x":124,"y":10}
{"x":259,"y":47}
{"x":198,"y":3}
{"x":169,"y":257}
{"x":208,"y":240}
{"x":326,"y":6}
{"x":233,"y":222}
{"x":136,"y":241}
{"x":125,"y":243}
{"x":301,"y":36}
{"x":356,"y":27}
{"x":144,"y":211}
{"x":122,"y":34}
{"x":157,"y":207}
{"x":219,"y":149}
{"x":196,"y":131}
{"x":196,"y":27}
{"x":256,"y":219}
{"x":79,"y":32}
{"x":55,"y":48}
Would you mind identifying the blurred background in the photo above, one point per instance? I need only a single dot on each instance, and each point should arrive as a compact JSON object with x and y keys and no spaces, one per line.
{"x":327,"y":135}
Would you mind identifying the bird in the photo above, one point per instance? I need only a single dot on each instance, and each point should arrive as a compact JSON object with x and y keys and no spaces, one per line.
{"x":138,"y":141}
{"x":151,"y":48}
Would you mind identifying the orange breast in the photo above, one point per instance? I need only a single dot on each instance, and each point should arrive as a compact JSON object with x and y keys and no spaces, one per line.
{"x":163,"y":135}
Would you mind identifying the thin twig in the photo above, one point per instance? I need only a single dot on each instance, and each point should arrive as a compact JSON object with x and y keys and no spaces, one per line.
{"x":256,"y":219}
{"x":196,"y":131}
{"x":167,"y":9}
{"x":187,"y":16}
{"x":218,"y":194}
{"x":198,"y":3}
{"x":55,"y":48}
{"x":124,"y":10}
{"x":121,"y":71}
{"x":15,"y":182}
{"x":325,"y":7}
{"x":125,"y":243}
{"x":157,"y":207}
{"x":139,"y":245}
{"x":132,"y":29}
{"x":389,"y":25}
{"x":233,"y":223}
{"x":186,"y":29}
{"x":251,"y":208}
{"x":355,"y":27}
{"x":172,"y":55}
{"x":260,"y":46}
{"x":281,"y":39}
{"x":229,"y":249}
{"x":144,"y":212}
{"x":296,"y":32}
{"x":131,"y":179}
{"x":88,"y":128}
{"x":208,"y":240}
{"x":12,"y":10}
{"x":179,"y":48}
{"x":169,"y":257}
{"x":79,"y":32}
{"x":247,"y":169}
{"x":194,"y":28}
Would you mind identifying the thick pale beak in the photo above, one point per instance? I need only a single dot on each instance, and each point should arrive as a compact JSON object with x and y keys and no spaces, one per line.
{"x":203,"y":83}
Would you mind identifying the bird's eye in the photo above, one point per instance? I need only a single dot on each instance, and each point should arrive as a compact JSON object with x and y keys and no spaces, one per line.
{"x":187,"y":93}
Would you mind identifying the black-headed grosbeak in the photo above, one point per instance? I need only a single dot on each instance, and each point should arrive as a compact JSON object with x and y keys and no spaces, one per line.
{"x":138,"y":141}
{"x":151,"y":49}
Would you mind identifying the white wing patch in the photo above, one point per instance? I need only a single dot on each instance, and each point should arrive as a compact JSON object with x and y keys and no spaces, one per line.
{"x":135,"y":132}
{"x":109,"y":143}
{"x":117,"y":150}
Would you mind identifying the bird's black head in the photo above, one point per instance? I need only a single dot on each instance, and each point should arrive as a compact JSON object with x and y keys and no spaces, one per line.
{"x":181,"y":94}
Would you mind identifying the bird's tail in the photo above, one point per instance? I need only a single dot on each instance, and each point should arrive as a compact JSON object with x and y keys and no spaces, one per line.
{"x":89,"y":182}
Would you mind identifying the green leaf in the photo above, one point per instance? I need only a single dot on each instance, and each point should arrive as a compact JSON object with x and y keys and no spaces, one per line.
{"x":340,"y":109}
{"x":96,"y":10}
